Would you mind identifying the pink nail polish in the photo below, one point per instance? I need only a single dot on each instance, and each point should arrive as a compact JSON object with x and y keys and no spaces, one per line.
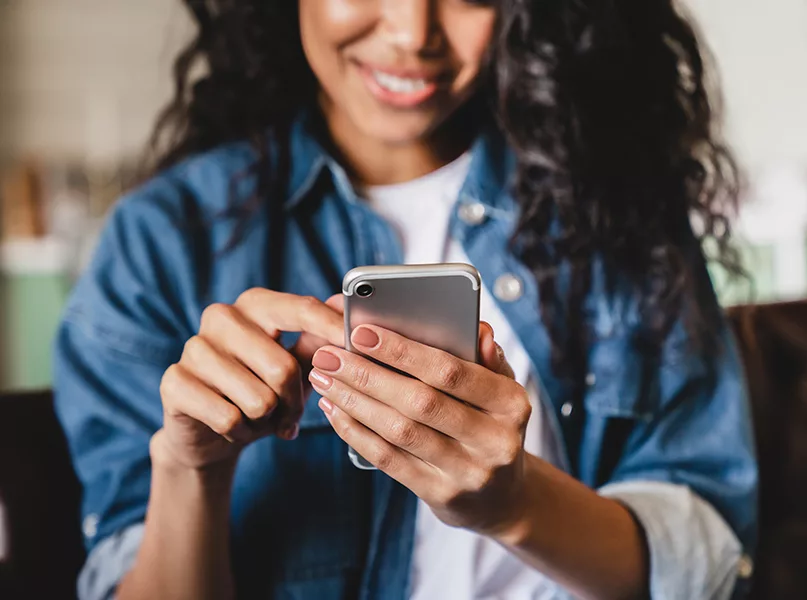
{"x":320,"y":380}
{"x":367,"y":338}
{"x":326,"y":361}
{"x":325,"y":405}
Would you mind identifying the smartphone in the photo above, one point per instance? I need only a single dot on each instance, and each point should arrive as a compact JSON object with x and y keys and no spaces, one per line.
{"x":436,"y":305}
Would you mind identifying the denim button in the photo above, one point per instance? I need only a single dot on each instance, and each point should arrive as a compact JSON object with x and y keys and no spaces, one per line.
{"x":567,"y":409}
{"x":508,"y":288}
{"x":472,"y":213}
{"x":90,"y":526}
{"x":745,"y":567}
{"x":591,"y":380}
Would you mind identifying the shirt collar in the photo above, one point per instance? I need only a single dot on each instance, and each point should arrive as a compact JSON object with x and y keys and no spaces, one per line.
{"x":489,"y":178}
{"x":490,"y":174}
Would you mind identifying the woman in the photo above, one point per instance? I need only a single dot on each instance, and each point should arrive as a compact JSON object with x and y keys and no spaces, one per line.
{"x":559,"y":147}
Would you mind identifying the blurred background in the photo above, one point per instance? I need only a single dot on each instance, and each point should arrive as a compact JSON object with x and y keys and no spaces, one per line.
{"x":82,"y":80}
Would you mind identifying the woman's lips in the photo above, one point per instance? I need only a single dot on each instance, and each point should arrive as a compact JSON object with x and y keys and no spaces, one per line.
{"x":398,"y":88}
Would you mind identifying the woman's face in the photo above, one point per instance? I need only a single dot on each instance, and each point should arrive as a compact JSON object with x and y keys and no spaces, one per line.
{"x":394,"y":70}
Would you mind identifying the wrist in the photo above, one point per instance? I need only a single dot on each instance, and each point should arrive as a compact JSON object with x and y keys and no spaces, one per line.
{"x":165,"y":461}
{"x":513,"y":531}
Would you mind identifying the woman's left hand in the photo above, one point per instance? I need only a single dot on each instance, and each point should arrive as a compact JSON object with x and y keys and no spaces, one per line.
{"x":453,"y":433}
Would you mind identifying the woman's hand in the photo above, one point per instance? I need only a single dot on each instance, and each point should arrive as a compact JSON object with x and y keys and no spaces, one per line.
{"x":453,"y":433}
{"x":235,"y":383}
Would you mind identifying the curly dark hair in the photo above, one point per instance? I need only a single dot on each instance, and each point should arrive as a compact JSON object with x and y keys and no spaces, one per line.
{"x":604,"y":102}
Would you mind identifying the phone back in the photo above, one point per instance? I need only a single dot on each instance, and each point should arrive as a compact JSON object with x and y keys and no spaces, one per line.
{"x":437,"y":305}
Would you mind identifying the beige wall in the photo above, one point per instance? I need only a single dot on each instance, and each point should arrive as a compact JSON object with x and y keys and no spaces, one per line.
{"x":762,"y":49}
{"x":82,"y":79}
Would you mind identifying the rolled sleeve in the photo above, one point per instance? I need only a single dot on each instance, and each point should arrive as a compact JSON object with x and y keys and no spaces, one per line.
{"x":694,"y":554}
{"x":108,"y":562}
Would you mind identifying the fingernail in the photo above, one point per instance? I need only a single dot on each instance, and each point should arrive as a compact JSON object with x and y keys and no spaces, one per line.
{"x":367,"y":338}
{"x":290,"y":433}
{"x":326,"y":361}
{"x":326,"y":406}
{"x":320,"y":380}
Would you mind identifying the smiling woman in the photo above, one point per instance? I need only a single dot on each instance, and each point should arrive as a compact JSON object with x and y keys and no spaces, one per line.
{"x":399,"y":81}
{"x":600,"y":448}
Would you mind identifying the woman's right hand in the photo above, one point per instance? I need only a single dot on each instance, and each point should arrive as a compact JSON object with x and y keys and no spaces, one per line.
{"x":235,"y":383}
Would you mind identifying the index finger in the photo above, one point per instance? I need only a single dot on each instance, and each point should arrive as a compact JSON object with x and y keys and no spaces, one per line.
{"x":460,"y":379}
{"x":277,"y":311}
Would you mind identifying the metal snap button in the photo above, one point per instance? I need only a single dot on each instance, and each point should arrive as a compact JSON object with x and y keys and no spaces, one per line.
{"x":472,"y":213}
{"x":508,"y":288}
{"x":745,"y":567}
{"x":90,"y":525}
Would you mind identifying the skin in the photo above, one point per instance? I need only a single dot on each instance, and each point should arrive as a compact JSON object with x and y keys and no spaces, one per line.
{"x":446,"y":39}
{"x":453,"y":433}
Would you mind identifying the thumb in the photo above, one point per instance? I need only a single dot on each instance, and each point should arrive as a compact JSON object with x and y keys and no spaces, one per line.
{"x":491,"y":355}
{"x":308,"y":343}
{"x":337,"y":303}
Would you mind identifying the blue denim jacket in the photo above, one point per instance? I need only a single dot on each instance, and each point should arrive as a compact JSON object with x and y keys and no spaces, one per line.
{"x":668,"y":435}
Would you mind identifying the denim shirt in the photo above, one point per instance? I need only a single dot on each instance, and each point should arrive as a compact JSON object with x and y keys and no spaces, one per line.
{"x":668,"y":434}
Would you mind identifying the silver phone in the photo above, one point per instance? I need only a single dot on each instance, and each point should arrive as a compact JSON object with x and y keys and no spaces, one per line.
{"x":437,"y":305}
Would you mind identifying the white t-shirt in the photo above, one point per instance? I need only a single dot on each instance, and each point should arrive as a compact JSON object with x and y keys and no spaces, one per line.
{"x":451,"y":563}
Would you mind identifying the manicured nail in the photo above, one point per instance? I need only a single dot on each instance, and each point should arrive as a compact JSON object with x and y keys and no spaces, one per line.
{"x":326,"y":361}
{"x":320,"y":380}
{"x":364,"y":337}
{"x":325,"y":406}
{"x":290,"y":433}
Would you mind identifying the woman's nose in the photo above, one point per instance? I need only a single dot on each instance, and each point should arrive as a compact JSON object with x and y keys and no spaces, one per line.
{"x":412,"y":25}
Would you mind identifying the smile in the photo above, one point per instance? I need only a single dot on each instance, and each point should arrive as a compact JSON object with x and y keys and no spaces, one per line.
{"x":401,"y":89}
{"x":399,"y":85}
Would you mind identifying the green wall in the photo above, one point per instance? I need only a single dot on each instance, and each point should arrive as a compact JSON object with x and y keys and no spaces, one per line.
{"x":31,"y":307}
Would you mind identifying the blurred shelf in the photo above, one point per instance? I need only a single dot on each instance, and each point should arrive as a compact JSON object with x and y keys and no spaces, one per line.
{"x":40,"y":256}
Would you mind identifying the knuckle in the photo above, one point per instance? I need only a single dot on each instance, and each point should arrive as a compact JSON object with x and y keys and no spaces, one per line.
{"x":362,"y":377}
{"x":350,"y":401}
{"x":522,"y":409}
{"x":425,"y":404}
{"x":226,"y":423}
{"x":289,"y":367}
{"x":249,"y":297}
{"x":510,"y":451}
{"x":479,"y":479}
{"x":383,"y":457}
{"x":285,"y":371}
{"x":216,"y":314}
{"x":404,"y":433}
{"x":445,"y":495}
{"x":397,"y":352}
{"x":309,"y":303}
{"x":308,"y":308}
{"x":262,"y":404}
{"x":171,"y":381}
{"x":450,"y":374}
{"x":507,"y":451}
{"x":195,"y":349}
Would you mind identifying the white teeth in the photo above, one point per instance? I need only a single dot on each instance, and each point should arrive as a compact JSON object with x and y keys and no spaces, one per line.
{"x":398,"y":85}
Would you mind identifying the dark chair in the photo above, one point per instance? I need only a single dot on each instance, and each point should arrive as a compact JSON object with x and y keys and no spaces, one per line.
{"x":773,"y":343}
{"x":41,"y":495}
{"x":39,"y":489}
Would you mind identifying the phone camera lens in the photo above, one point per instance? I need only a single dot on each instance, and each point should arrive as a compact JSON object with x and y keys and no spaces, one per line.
{"x":364,"y":290}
